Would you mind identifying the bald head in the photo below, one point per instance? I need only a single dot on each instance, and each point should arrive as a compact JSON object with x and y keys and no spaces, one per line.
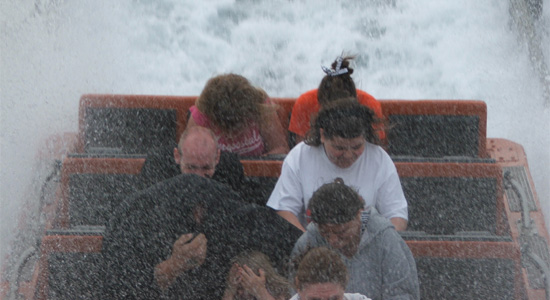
{"x":197,"y":152}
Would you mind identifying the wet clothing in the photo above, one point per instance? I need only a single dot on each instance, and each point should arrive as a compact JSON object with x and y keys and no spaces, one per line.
{"x":347,"y":296}
{"x":382,"y":268}
{"x":308,"y":105}
{"x":248,"y":142}
{"x":306,"y":168}
{"x":156,"y":217}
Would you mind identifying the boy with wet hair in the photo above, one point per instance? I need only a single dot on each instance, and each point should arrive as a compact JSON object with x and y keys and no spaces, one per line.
{"x":380,"y":264}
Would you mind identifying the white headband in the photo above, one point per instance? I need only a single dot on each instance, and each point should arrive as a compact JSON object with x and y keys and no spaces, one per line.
{"x":338,"y":70}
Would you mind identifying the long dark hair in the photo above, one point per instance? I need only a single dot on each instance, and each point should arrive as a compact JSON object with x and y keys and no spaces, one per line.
{"x":345,"y":118}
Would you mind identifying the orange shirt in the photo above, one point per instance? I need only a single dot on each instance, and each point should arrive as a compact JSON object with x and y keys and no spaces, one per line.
{"x":307,"y":105}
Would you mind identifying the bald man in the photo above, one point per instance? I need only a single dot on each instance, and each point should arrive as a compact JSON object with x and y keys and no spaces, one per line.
{"x":196,"y":153}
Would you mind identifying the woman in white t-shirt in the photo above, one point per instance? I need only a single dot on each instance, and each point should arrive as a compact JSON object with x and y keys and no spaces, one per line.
{"x":341,"y":143}
{"x":321,"y":274}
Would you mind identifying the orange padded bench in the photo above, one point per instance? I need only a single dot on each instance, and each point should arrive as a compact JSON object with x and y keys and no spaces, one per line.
{"x":468,"y":269}
{"x":424,"y":128}
{"x":131,"y":122}
{"x":450,"y":198}
{"x":85,"y":196}
{"x":436,"y":128}
{"x":76,"y":270}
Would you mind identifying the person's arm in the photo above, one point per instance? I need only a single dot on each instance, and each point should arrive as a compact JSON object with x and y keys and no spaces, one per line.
{"x":291,"y":218}
{"x":273,"y":134}
{"x":398,"y":267}
{"x":400,"y":224}
{"x":185,"y":256}
{"x":391,"y":202}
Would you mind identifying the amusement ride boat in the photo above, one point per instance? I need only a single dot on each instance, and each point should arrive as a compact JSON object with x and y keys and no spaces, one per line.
{"x":476,"y":228}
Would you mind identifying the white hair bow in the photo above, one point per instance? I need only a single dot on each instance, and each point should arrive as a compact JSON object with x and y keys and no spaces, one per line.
{"x":338,"y":70}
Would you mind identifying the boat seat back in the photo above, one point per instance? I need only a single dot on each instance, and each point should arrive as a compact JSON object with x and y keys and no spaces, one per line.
{"x":422,"y":128}
{"x":443,"y":198}
{"x":436,"y":128}
{"x":447,"y":198}
{"x":468,"y":269}
{"x":91,"y":188}
{"x":131,"y":123}
{"x":70,"y":265}
{"x":137,"y":123}
{"x":129,"y":130}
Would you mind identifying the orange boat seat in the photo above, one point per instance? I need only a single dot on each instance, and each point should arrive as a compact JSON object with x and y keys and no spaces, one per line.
{"x":450,"y":198}
{"x":91,"y":188}
{"x":70,"y":264}
{"x":456,"y":269}
{"x":131,"y":123}
{"x":436,"y":128}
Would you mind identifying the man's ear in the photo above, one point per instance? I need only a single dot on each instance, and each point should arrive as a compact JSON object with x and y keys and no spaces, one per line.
{"x":322,"y":135}
{"x":177,"y":156}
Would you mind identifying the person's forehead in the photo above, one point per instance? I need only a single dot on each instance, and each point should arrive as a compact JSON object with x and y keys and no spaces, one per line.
{"x":198,"y":138}
{"x":198,"y":147}
{"x":340,"y":141}
{"x":323,"y":290}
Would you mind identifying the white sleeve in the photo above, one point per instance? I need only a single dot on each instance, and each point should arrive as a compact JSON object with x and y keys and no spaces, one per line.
{"x":287,"y":194}
{"x":390,"y":199}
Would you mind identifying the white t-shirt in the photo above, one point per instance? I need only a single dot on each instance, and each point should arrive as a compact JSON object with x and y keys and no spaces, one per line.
{"x":307,"y":168}
{"x":347,"y":296}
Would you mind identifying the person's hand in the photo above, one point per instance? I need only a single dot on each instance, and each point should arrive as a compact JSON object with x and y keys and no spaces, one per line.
{"x":187,"y":253}
{"x":232,"y":283}
{"x":254,"y":284}
{"x":190,"y":254}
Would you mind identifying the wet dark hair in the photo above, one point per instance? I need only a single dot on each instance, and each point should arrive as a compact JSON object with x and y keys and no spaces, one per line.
{"x":336,"y":87}
{"x":321,"y":265}
{"x":335,"y":203}
{"x":345,"y":118}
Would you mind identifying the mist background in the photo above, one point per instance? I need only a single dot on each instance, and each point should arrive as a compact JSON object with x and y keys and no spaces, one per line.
{"x":54,"y":51}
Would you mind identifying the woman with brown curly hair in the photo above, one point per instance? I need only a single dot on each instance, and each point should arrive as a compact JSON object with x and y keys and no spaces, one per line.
{"x":243,"y":118}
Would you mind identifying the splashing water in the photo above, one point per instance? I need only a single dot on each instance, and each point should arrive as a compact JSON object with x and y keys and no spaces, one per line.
{"x":54,"y":51}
